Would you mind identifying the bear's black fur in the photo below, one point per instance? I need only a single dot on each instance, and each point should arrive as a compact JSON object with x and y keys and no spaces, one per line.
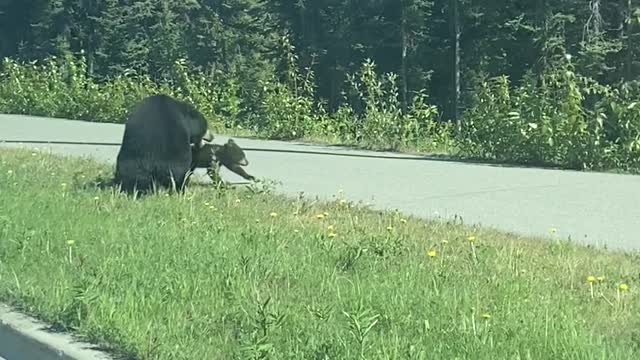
{"x":157,"y":144}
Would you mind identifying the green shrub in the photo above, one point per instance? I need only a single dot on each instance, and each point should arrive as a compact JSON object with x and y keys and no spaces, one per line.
{"x":558,"y":118}
{"x":60,"y":87}
{"x":283,"y":114}
{"x":554,"y":118}
{"x":383,"y":123}
{"x":287,"y":108}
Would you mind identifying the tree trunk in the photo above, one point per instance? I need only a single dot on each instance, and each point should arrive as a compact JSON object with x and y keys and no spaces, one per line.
{"x":403,"y":66}
{"x":625,"y":32}
{"x":455,"y":22}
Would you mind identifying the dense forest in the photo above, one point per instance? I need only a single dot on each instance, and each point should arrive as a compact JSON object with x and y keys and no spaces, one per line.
{"x":525,"y":80}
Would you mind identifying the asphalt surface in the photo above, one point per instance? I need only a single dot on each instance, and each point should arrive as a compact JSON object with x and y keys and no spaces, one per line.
{"x":591,"y":208}
{"x":25,"y":338}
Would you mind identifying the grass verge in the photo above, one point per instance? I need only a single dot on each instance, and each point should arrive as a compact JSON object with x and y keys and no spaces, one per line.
{"x":242,"y":274}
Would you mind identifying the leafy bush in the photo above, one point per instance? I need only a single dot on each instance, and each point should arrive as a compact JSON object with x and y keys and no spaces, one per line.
{"x":287,"y":108}
{"x":383,"y":123}
{"x":558,"y":118}
{"x":619,"y":112}
{"x":59,"y":87}
{"x":282,"y":109}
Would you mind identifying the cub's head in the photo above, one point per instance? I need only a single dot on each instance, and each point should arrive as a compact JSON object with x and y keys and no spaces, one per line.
{"x":231,"y":154}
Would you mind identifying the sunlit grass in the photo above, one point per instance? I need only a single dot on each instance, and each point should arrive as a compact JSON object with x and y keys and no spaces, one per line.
{"x":242,"y":273}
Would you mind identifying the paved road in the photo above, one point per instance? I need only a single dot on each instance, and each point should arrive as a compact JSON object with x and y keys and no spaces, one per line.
{"x":593,"y":208}
{"x":25,"y":338}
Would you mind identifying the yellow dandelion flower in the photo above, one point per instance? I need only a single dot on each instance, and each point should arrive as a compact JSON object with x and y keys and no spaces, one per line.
{"x":404,"y":221}
{"x":332,"y":234}
{"x":273,"y":214}
{"x":237,"y":201}
{"x":212,"y":207}
{"x":70,"y":242}
{"x":601,"y":278}
{"x":623,"y":287}
{"x":389,"y":228}
{"x":431,"y":253}
{"x":591,"y":278}
{"x":296,"y":231}
{"x":320,"y":216}
{"x":343,"y":201}
{"x":471,"y":238}
{"x":96,"y":198}
{"x":206,"y":203}
{"x":445,"y":241}
{"x":326,"y":213}
{"x":486,"y":316}
{"x":330,"y":227}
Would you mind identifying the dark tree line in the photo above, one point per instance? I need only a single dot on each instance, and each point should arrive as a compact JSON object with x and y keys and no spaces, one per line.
{"x":439,"y":46}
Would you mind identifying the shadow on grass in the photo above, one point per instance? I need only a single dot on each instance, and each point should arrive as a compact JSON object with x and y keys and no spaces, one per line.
{"x":103,"y":182}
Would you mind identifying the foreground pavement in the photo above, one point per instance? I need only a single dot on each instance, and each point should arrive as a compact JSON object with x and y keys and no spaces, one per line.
{"x":590,"y":208}
{"x":25,"y":338}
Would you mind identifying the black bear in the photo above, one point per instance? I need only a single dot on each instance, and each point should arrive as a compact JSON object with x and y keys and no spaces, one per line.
{"x":211,"y":155}
{"x":157,"y":144}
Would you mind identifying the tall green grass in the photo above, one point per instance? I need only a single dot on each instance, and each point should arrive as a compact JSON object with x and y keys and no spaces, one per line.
{"x":245,"y":274}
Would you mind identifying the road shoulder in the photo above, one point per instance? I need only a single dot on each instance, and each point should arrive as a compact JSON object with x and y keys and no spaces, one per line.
{"x":24,"y":338}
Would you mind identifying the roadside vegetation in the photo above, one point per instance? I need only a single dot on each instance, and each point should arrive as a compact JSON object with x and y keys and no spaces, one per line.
{"x":509,"y":82}
{"x":557,"y":119}
{"x":241,"y":273}
{"x":60,"y":87}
